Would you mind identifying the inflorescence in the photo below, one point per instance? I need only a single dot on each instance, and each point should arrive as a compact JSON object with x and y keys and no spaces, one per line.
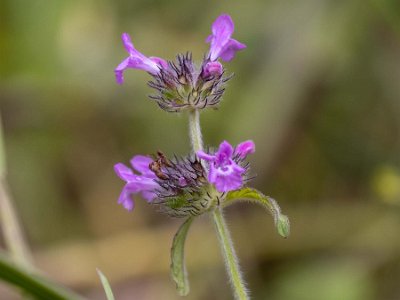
{"x":180,"y":85}
{"x":185,"y":186}
{"x":202,"y":181}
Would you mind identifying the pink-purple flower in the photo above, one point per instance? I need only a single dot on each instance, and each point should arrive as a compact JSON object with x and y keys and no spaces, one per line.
{"x":143,"y":183}
{"x":222,"y":45}
{"x":224,"y":171}
{"x":137,"y":60}
{"x":212,"y":69}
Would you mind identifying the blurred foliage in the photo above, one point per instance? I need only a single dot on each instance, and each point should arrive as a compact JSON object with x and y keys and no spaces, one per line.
{"x":316,"y":89}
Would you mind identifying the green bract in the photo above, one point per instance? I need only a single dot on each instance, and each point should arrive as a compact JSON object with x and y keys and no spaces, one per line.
{"x":281,"y":221}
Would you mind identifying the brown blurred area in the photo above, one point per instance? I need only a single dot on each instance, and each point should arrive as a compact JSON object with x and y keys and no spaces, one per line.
{"x":317,"y":89}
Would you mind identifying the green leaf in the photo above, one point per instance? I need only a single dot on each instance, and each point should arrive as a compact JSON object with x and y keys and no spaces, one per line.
{"x":106,"y":285}
{"x":281,"y":221}
{"x":178,"y":268}
{"x":34,"y":285}
{"x":283,"y":226}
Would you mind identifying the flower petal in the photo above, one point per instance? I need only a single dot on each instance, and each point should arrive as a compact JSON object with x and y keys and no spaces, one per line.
{"x":141,"y":164}
{"x":162,"y":63}
{"x":245,"y":148}
{"x":125,"y":199}
{"x":205,"y":156}
{"x":229,"y":183}
{"x":222,"y":30}
{"x":129,"y":204}
{"x":212,"y":174}
{"x":144,"y":63}
{"x":148,"y":195}
{"x":142,"y":183}
{"x":224,"y":153}
{"x":223,"y":26}
{"x":126,"y":39}
{"x":137,"y":60}
{"x":119,"y":70}
{"x":123,"y":171}
{"x":229,"y":50}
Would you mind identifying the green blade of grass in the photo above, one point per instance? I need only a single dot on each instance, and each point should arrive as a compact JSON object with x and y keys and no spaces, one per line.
{"x":32,"y":284}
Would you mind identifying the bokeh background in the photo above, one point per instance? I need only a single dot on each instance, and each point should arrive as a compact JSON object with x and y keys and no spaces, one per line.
{"x":317,"y":89}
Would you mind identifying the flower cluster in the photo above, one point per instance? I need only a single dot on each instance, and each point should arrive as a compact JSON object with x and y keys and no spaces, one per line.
{"x":204,"y":181}
{"x":186,"y":186}
{"x":179,"y":84}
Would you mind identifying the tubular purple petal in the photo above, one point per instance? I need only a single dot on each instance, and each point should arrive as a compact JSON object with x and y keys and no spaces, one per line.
{"x":141,"y":164}
{"x":222,"y":45}
{"x":160,"y":62}
{"x":149,"y":196}
{"x":126,"y":40}
{"x":224,"y":153}
{"x":143,"y":184}
{"x":137,"y":60}
{"x":119,"y":70}
{"x":123,"y":171}
{"x":245,"y":148}
{"x":228,"y":52}
{"x":128,"y":204}
{"x":212,"y":174}
{"x":201,"y":154}
{"x":125,"y":199}
{"x":229,"y":183}
{"x":222,"y":30}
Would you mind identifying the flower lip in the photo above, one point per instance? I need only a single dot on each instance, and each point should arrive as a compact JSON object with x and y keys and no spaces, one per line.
{"x":222,"y":45}
{"x":136,"y":60}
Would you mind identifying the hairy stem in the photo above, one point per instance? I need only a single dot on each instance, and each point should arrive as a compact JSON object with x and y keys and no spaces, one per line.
{"x":228,"y":252}
{"x":195,"y":131}
{"x":231,"y":261}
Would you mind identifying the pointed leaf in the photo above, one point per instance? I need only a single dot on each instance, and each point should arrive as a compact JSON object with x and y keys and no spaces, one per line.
{"x":106,"y":285}
{"x":178,"y":268}
{"x":281,"y":221}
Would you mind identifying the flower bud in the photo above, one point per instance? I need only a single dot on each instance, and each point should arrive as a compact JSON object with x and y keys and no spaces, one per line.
{"x":212,"y":69}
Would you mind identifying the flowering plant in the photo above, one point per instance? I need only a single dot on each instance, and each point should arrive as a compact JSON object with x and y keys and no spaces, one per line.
{"x":206,"y":180}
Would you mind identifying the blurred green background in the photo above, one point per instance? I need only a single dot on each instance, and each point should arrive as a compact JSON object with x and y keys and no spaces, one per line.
{"x":317,"y":89}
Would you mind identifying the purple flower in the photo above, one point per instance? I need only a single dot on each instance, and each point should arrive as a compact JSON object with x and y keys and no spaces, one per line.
{"x":225,"y":173}
{"x":212,"y":68}
{"x":137,"y":60}
{"x":144,"y":183}
{"x":222,"y":46}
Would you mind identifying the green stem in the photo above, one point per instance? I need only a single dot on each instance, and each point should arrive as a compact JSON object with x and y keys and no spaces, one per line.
{"x":13,"y":236}
{"x":231,"y":261}
{"x":195,"y":130}
{"x":228,"y":252}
